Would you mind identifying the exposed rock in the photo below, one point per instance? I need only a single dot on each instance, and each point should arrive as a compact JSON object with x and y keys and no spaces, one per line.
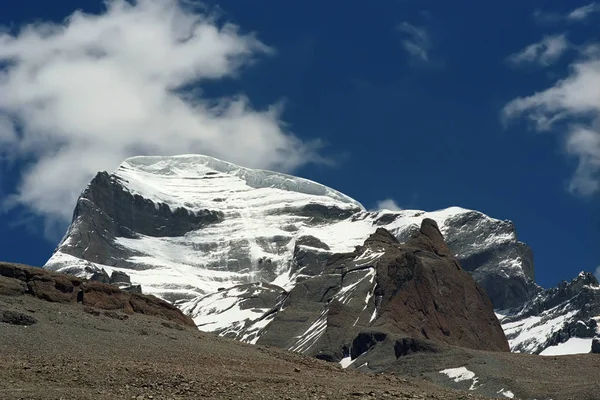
{"x":118,"y":277}
{"x":61,"y":288}
{"x":596,"y":345}
{"x":387,"y":300}
{"x":574,"y":304}
{"x":426,"y":295}
{"x":489,"y":250}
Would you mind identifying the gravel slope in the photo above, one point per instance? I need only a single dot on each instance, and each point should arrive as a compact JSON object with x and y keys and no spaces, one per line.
{"x":74,"y":352}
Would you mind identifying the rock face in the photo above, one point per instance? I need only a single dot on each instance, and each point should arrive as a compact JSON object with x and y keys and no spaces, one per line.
{"x":554,"y":317}
{"x":408,"y":294}
{"x":427,"y":295}
{"x":61,"y":288}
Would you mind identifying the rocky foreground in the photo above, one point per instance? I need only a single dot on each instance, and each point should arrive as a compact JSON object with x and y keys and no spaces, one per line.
{"x":69,"y":350}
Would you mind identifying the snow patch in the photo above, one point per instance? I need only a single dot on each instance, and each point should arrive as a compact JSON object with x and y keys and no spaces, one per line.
{"x":574,"y":345}
{"x":506,"y":393}
{"x":461,"y":374}
{"x":346,"y":362}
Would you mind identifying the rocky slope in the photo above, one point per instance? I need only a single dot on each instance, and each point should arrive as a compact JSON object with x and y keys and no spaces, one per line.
{"x":386,"y":289}
{"x":60,"y":350}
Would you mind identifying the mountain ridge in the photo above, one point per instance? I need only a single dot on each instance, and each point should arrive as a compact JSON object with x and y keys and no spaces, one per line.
{"x":191,"y":228}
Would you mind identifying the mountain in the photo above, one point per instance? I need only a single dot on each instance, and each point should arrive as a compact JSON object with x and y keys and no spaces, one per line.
{"x":232,"y":246}
{"x":53,"y":347}
{"x":560,"y":320}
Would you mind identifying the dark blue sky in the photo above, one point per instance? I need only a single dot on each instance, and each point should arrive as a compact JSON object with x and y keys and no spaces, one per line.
{"x":426,"y":133}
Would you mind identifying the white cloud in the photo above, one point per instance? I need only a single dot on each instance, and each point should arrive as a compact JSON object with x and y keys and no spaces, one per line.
{"x":417,"y":44}
{"x":544,"y":52}
{"x":388,"y":204}
{"x":581,"y":13}
{"x":597,"y":273}
{"x":577,"y":15}
{"x":571,"y":106}
{"x":96,"y":89}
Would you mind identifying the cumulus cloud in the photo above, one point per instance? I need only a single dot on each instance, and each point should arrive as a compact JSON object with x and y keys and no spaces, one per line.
{"x":388,"y":204}
{"x":571,"y":106}
{"x":81,"y":96}
{"x":544,"y":52}
{"x":417,"y":43}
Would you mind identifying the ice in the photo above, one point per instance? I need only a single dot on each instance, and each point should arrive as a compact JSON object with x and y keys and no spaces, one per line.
{"x":574,"y":345}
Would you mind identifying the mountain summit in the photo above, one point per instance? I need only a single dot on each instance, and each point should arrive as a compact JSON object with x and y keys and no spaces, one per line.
{"x":232,"y":246}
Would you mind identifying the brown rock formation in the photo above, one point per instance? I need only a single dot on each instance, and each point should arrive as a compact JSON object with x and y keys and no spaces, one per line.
{"x":61,"y":288}
{"x":426,"y":294}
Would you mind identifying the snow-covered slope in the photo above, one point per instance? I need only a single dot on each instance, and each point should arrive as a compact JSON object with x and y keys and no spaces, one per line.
{"x":561,"y":320}
{"x":190,"y":228}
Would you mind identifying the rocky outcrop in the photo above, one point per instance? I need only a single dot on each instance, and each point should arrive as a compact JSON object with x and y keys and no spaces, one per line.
{"x":426,"y":294}
{"x":488,"y":248}
{"x":387,"y":299}
{"x":596,"y":345}
{"x":61,"y":288}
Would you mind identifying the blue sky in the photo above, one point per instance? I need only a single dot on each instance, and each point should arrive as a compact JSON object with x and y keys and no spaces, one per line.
{"x":427,"y":103}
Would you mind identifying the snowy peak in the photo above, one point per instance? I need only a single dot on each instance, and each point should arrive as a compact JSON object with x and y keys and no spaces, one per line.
{"x":189,"y":181}
{"x":191,"y":228}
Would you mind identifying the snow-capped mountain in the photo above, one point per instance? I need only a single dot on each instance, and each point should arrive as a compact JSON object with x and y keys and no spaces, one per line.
{"x":561,"y":320}
{"x":228,"y":244}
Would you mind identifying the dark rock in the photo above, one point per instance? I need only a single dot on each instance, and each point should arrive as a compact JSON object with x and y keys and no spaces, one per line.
{"x":426,"y":295}
{"x":364,"y":341}
{"x":319,"y":213}
{"x":16,"y":318}
{"x":596,"y":345}
{"x":122,"y":317}
{"x":311,"y":241}
{"x":118,"y":277}
{"x":98,"y":275}
{"x":387,"y":300}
